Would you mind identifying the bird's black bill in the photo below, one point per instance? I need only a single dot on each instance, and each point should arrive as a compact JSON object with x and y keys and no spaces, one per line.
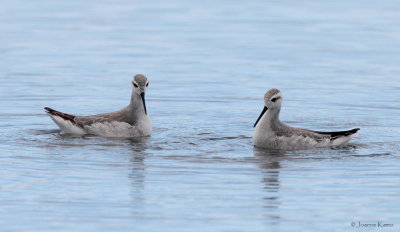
{"x":144,"y":103}
{"x":262,"y":113}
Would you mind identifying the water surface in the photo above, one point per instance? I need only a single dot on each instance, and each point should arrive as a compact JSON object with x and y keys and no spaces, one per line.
{"x":209,"y":64}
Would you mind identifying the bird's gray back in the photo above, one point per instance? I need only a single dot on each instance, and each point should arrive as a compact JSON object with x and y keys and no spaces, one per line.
{"x":124,"y":115}
{"x":282,"y":129}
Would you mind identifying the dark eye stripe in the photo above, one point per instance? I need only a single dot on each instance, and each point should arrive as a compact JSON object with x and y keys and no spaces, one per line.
{"x":147,"y":84}
{"x":274,"y":99}
{"x":135,"y":85}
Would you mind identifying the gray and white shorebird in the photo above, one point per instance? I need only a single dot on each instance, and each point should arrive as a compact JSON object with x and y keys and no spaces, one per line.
{"x":271,"y":133}
{"x":131,"y":121}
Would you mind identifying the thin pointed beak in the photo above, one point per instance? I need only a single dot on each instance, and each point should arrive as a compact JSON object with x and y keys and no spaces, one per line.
{"x":144,"y":103}
{"x":262,"y":113}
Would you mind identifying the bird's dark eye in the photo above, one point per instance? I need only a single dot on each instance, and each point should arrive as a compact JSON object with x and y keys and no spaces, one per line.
{"x":135,"y":85}
{"x":147,"y":84}
{"x":275,"y":98}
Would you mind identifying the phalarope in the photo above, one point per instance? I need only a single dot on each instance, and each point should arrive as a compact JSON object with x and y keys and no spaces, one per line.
{"x":131,"y":121}
{"x":270,"y":132}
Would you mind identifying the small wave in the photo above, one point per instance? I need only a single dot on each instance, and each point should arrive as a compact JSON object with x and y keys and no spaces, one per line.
{"x":44,"y":132}
{"x":373,"y":154}
{"x":226,"y":138}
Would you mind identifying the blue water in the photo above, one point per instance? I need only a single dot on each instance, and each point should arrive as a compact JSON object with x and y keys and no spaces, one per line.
{"x":209,"y":64}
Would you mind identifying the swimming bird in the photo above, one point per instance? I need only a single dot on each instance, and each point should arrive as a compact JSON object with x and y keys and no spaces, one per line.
{"x":270,"y":132}
{"x":131,"y":121}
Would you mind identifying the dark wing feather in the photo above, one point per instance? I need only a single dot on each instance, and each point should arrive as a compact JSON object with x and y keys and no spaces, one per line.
{"x":336,"y":134}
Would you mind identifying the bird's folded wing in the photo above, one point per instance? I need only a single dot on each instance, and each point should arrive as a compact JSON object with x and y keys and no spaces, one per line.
{"x":337,"y":134}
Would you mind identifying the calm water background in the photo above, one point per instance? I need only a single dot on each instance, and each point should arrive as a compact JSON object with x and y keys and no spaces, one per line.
{"x":209,"y":64}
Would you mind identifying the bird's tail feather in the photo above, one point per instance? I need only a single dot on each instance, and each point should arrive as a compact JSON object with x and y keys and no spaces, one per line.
{"x":65,"y":121}
{"x":62,"y":115}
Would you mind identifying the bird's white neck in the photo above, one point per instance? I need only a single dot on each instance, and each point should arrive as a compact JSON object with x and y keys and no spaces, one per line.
{"x":269,"y":120}
{"x":136,"y":105}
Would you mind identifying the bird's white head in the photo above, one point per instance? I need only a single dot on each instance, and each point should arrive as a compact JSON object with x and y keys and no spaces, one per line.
{"x":273,"y":99}
{"x":272,"y":102}
{"x":140,"y":84}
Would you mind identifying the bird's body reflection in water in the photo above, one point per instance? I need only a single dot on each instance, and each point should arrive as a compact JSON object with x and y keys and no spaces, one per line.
{"x":269,"y":164}
{"x":138,"y":174}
